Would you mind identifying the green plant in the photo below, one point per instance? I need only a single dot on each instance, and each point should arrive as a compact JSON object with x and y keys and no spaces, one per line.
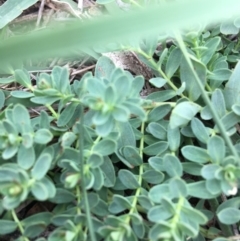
{"x":117,"y":166}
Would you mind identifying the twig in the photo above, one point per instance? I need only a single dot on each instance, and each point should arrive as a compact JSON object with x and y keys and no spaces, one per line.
{"x":40,"y":13}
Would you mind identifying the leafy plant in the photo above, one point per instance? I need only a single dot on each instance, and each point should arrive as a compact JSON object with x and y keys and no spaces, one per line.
{"x":117,"y":166}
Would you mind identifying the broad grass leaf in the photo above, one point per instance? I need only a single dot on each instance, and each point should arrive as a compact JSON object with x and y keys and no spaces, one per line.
{"x":2,"y":99}
{"x":183,"y":113}
{"x":12,"y":9}
{"x":59,"y":41}
{"x":229,"y":215}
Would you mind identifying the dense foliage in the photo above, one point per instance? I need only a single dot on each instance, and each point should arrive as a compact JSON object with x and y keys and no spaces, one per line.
{"x":120,"y":166}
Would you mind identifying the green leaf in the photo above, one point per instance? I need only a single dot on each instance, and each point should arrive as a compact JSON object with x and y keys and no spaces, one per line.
{"x":232,"y":88}
{"x":159,"y":213}
{"x":95,"y":160}
{"x":183,"y":113}
{"x":43,"y":136}
{"x":218,"y":102}
{"x":9,"y":152}
{"x":156,"y":163}
{"x":34,"y":230}
{"x":22,"y":76}
{"x":127,"y":138}
{"x":159,"y":112}
{"x":192,"y":168}
{"x":21,"y":94}
{"x":199,"y":130}
{"x":104,"y":68}
{"x":216,"y":149}
{"x":131,"y":155}
{"x":161,"y":96}
{"x":178,"y":188}
{"x":158,"y":82}
{"x":157,"y":192}
{"x":108,"y":172}
{"x":153,"y":177}
{"x":201,"y":192}
{"x":195,"y":154}
{"x":229,"y":215}
{"x":187,"y":76}
{"x":157,"y":130}
{"x":63,"y":196}
{"x":66,"y":114}
{"x":121,"y":114}
{"x":156,"y":148}
{"x":213,"y":186}
{"x":232,"y":203}
{"x":45,"y":100}
{"x":128,"y":179}
{"x":39,"y":191}
{"x":172,"y":166}
{"x":21,"y":119}
{"x":25,"y":157}
{"x":211,"y":47}
{"x":119,"y":204}
{"x":7,"y":226}
{"x":68,"y":139}
{"x":60,"y":78}
{"x":105,"y":147}
{"x":173,"y":62}
{"x":173,"y":137}
{"x":41,"y":166}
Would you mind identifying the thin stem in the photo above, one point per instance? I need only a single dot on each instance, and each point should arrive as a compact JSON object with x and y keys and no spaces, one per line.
{"x":206,"y":98}
{"x":20,"y":227}
{"x":52,"y":111}
{"x":81,"y":159}
{"x":159,"y":70}
{"x":134,"y":203}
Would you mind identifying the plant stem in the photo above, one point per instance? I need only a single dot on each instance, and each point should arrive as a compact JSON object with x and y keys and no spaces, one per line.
{"x":20,"y":227}
{"x":81,"y":159}
{"x":206,"y":99}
